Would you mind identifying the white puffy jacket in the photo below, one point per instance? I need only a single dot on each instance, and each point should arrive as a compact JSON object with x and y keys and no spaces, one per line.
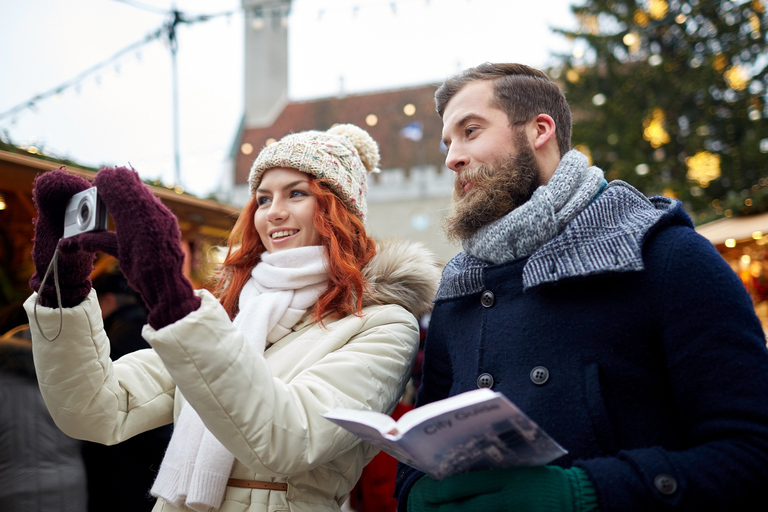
{"x":265,"y":409}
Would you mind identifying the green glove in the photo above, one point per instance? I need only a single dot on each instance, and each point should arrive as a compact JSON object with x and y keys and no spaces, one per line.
{"x":532,"y":489}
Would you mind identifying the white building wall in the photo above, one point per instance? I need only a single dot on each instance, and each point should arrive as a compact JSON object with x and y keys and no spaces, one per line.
{"x":412,"y":207}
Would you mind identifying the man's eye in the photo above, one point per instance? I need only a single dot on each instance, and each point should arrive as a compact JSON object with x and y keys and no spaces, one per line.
{"x":470,"y":130}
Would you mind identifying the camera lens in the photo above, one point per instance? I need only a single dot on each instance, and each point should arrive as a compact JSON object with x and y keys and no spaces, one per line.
{"x":85,"y":213}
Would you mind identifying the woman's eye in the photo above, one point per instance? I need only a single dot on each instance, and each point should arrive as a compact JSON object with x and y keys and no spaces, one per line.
{"x":298,"y":193}
{"x":262,"y":201}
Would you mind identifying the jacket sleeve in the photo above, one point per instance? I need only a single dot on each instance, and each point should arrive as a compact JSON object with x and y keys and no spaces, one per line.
{"x":717,"y":365}
{"x":89,"y":396}
{"x":271,"y":424}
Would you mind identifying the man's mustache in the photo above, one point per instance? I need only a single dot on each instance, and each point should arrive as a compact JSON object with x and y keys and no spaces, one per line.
{"x":476,"y":175}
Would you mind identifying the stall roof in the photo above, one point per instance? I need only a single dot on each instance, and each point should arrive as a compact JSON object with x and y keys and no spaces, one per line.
{"x":738,"y":228}
{"x":201,"y":215}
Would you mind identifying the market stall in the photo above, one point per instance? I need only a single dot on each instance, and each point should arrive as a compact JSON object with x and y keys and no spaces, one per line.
{"x":743,"y":242}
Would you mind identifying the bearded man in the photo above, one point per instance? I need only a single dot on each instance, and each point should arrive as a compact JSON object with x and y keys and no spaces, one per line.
{"x":601,"y":313}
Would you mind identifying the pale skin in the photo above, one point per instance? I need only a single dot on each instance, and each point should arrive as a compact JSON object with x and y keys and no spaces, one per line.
{"x":476,"y":132}
{"x":284,"y":218}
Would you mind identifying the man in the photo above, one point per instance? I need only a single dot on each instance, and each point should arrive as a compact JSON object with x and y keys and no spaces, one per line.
{"x":600,"y":313}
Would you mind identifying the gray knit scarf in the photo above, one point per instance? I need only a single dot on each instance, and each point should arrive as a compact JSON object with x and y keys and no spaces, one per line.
{"x":526,"y":228}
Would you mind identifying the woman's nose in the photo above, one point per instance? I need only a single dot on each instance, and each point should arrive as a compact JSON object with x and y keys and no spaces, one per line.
{"x":277,"y":211}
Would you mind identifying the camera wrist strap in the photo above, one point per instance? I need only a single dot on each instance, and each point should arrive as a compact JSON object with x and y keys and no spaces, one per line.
{"x":55,"y":265}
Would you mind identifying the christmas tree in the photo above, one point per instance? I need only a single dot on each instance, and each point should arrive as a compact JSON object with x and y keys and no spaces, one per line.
{"x":670,"y":96}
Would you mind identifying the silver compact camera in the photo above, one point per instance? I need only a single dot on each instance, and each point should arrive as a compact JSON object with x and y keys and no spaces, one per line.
{"x":85,"y":212}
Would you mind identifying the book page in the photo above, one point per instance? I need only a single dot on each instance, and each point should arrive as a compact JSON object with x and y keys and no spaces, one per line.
{"x":412,"y":418}
{"x":373,"y":427}
{"x":493,"y":433}
{"x":366,"y":420}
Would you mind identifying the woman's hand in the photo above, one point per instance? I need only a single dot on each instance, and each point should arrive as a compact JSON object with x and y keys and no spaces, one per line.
{"x":147,"y":243}
{"x":149,"y":246}
{"x":51,"y":192}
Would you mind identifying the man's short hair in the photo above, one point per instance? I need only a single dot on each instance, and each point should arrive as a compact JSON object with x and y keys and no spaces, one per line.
{"x":521,"y":91}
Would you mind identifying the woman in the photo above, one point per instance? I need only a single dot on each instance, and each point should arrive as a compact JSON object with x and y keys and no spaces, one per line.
{"x":310,"y":316}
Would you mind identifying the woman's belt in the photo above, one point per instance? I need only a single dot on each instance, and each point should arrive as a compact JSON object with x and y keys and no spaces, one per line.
{"x":255,"y":484}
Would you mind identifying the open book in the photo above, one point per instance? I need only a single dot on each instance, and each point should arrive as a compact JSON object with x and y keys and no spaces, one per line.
{"x":471,"y":431}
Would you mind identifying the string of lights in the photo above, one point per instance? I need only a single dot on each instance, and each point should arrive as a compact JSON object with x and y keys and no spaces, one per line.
{"x":166,"y":31}
{"x":257,"y":14}
{"x":143,"y":6}
{"x":76,"y":81}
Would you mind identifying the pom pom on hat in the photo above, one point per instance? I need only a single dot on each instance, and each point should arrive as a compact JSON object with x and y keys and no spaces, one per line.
{"x":342,"y":157}
{"x":366,"y":147}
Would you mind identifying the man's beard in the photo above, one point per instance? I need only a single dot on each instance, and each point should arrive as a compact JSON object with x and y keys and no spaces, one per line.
{"x":497,"y":189}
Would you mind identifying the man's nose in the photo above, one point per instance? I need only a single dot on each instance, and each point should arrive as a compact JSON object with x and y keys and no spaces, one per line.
{"x":456,"y":160}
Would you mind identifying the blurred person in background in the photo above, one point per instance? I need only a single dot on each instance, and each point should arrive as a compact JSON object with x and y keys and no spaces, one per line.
{"x":311,"y":315}
{"x":41,"y":469}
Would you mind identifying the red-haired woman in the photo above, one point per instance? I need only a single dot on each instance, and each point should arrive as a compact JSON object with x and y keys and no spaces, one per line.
{"x":310,"y":315}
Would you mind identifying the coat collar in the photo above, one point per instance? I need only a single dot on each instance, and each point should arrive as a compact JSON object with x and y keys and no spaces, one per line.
{"x":607,"y":236}
{"x":402,"y":273}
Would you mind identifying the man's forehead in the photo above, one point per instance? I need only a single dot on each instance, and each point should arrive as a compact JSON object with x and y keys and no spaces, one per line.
{"x":474,"y":101}
{"x":475,"y":96}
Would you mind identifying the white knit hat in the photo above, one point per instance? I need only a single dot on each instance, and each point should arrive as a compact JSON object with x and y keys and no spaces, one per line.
{"x":343,"y":156}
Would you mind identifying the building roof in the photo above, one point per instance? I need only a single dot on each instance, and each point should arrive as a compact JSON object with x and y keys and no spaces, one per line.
{"x":397,"y":151}
{"x":737,"y":228}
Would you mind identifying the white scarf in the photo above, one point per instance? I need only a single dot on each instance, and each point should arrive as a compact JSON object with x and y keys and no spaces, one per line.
{"x":282,"y":287}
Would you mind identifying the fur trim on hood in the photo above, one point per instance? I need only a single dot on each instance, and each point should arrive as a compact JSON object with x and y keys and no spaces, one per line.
{"x":402,"y":273}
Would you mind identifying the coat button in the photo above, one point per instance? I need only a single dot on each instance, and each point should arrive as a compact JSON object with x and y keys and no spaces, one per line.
{"x":539,"y":375}
{"x":665,"y":484}
{"x":487,"y":299}
{"x":485,"y":380}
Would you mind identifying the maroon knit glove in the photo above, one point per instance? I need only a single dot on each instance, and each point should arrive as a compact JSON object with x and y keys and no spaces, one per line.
{"x":148,"y":243}
{"x":51,"y":192}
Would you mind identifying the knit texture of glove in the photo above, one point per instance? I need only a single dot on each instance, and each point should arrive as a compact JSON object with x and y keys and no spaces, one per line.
{"x":147,"y":243}
{"x":51,"y":192}
{"x":533,"y":489}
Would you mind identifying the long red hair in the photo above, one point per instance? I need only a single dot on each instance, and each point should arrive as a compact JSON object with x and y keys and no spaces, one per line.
{"x":341,"y":232}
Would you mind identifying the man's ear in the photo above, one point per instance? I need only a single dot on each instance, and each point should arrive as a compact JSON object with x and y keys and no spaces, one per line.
{"x":545,"y":130}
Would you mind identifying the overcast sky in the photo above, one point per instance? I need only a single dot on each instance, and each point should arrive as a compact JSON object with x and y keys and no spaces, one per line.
{"x":123,"y":113}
